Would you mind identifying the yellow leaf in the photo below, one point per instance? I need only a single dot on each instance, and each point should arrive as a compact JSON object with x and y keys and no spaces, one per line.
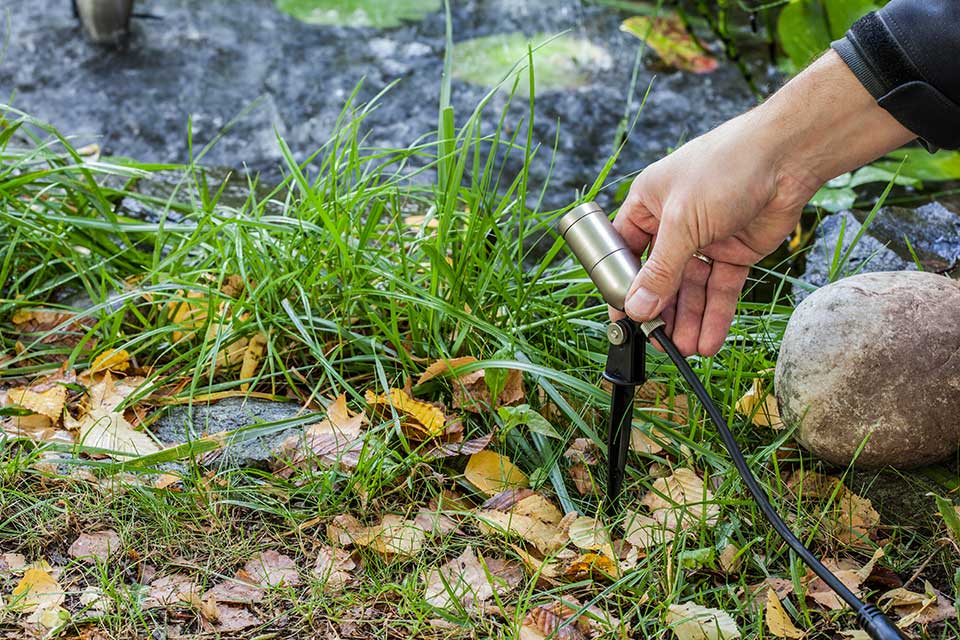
{"x":189,"y":316}
{"x":440,"y":367}
{"x":37,"y":590}
{"x":492,"y":473}
{"x":394,"y":535}
{"x":760,"y":406}
{"x":421,"y":421}
{"x":778,"y":622}
{"x":252,"y":357}
{"x":117,"y":360}
{"x":590,"y":564}
{"x":47,"y":403}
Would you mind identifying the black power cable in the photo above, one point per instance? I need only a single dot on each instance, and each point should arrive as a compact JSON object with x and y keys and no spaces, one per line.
{"x":873,"y":621}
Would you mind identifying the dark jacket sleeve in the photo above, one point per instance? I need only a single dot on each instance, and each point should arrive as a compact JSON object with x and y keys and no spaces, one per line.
{"x":907,"y":55}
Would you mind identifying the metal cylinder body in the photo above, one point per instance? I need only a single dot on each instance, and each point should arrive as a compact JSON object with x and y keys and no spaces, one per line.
{"x":601,"y":250}
{"x":105,"y":21}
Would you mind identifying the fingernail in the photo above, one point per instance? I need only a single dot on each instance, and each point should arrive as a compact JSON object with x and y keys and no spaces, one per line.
{"x":641,"y":304}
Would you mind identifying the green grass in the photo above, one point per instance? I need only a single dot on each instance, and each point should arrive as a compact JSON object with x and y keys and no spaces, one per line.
{"x":353,"y":298}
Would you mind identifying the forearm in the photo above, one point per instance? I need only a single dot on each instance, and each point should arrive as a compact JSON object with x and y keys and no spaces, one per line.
{"x":824,"y":123}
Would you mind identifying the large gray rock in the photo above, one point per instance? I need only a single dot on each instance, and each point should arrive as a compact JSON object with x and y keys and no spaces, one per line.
{"x":875,"y":357}
{"x":889,"y":243}
{"x":183,"y":423}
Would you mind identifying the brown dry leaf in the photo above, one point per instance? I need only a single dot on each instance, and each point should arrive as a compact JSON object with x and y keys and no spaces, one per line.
{"x":173,"y":590}
{"x":252,"y":357}
{"x":441,"y":367}
{"x":644,"y":532}
{"x":394,"y":535}
{"x":778,"y":622}
{"x":583,"y":451}
{"x":546,"y":536}
{"x":435,"y":522}
{"x":99,"y":545}
{"x":450,"y":449}
{"x":418,"y":220}
{"x":848,"y":572}
{"x":475,"y":396}
{"x":560,"y":620}
{"x":470,"y":580}
{"x":115,"y":360}
{"x":334,"y":442}
{"x":640,"y":442}
{"x":682,"y":498}
{"x":854,"y":519}
{"x":232,"y":619}
{"x":589,"y":534}
{"x":693,"y":622}
{"x":13,"y":562}
{"x":760,"y":406}
{"x":419,"y":420}
{"x":931,"y":608}
{"x":491,"y":473}
{"x":334,"y":568}
{"x":239,"y":590}
{"x":757,"y":593}
{"x":669,"y":37}
{"x":583,"y":479}
{"x":730,"y":560}
{"x":272,"y":569}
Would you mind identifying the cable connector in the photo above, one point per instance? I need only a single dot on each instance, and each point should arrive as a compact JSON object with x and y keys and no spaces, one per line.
{"x":650,"y":326}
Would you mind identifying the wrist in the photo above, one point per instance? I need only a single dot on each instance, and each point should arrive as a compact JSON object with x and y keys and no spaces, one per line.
{"x":824,"y":123}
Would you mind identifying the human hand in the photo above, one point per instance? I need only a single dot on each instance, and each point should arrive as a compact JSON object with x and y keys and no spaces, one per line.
{"x":735,"y":193}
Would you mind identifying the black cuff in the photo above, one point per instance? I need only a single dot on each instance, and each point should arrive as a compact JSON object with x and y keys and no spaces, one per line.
{"x":878,"y":61}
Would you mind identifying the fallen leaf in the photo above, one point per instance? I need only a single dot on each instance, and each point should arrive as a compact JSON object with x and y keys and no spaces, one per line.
{"x":491,"y":473}
{"x":730,"y":559}
{"x":334,"y":568}
{"x":935,"y":607}
{"x":590,"y":565}
{"x":475,"y":397}
{"x":232,"y":619}
{"x":582,"y":479}
{"x":590,"y":535}
{"x":99,"y":545}
{"x":172,"y":590}
{"x":440,"y":367}
{"x":469,"y":581}
{"x":394,"y":535}
{"x":103,"y":429}
{"x":760,"y":406}
{"x":547,"y":537}
{"x":252,"y":357}
{"x":644,"y":531}
{"x":640,"y":442}
{"x":567,"y":619}
{"x":46,"y":402}
{"x":187,"y":312}
{"x":693,"y":622}
{"x":682,"y":498}
{"x":435,"y":523}
{"x":37,"y":590}
{"x":13,"y":562}
{"x":237,"y":590}
{"x":333,"y":442}
{"x":449,"y":449}
{"x":419,"y":420}
{"x":778,"y":622}
{"x":670,"y":39}
{"x":95,"y":601}
{"x":115,"y":360}
{"x":419,"y":220}
{"x":584,"y":451}
{"x":273,"y":569}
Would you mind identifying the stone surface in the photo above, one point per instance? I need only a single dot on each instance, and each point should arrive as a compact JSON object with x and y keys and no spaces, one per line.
{"x":182,"y":423}
{"x":247,"y":68}
{"x":933,"y":232}
{"x":878,"y":355}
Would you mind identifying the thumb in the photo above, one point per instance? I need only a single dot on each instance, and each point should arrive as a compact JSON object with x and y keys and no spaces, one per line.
{"x":659,"y":278}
